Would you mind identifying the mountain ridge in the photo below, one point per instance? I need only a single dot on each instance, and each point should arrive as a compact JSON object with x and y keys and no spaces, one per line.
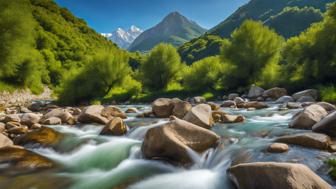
{"x":124,"y":38}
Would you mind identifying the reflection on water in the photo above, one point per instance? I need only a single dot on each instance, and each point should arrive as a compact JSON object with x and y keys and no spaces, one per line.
{"x":100,"y":162}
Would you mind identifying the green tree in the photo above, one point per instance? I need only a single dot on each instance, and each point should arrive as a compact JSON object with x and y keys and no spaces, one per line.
{"x":204,"y":74}
{"x":107,"y":69}
{"x":310,"y":58}
{"x":160,"y":67}
{"x":253,"y":53}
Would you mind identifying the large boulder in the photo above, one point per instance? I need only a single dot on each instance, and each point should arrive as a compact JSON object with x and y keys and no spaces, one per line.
{"x":273,"y":175}
{"x":5,"y":141}
{"x":308,"y":117}
{"x":200,"y":115}
{"x":309,"y":140}
{"x":52,"y":121}
{"x":327,"y":125}
{"x":172,"y":141}
{"x":30,"y":119}
{"x":306,"y":99}
{"x":92,"y":114}
{"x":64,"y":115}
{"x":278,"y":148}
{"x":255,"y":92}
{"x":214,"y":106}
{"x":310,"y":92}
{"x":115,"y":127}
{"x":229,"y":104}
{"x":44,"y":137}
{"x":232,"y":96}
{"x":181,"y":108}
{"x":24,"y":160}
{"x":275,"y":93}
{"x":112,"y":111}
{"x":162,"y":107}
{"x":284,"y":99}
{"x":327,"y":106}
{"x":222,"y":117}
{"x":239,"y":101}
{"x":12,"y":118}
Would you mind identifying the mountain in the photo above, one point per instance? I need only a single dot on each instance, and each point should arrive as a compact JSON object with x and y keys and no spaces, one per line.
{"x":124,"y":38}
{"x":174,"y":29}
{"x":262,"y":10}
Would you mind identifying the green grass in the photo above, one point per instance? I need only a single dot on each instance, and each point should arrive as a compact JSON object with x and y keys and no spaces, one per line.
{"x":332,"y":163}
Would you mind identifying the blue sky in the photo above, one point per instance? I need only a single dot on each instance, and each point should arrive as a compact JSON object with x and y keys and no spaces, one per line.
{"x":107,"y":15}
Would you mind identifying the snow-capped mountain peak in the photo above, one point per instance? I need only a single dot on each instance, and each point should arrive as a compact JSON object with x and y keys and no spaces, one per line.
{"x":124,"y":38}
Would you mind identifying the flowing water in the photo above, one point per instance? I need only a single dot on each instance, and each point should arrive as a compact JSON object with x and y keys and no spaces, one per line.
{"x":90,"y":161}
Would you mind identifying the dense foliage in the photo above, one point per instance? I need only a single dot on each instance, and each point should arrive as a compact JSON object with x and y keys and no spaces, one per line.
{"x":254,"y":53}
{"x":160,"y":67}
{"x":202,"y":47}
{"x":293,"y":20}
{"x":310,"y":58}
{"x":107,"y":69}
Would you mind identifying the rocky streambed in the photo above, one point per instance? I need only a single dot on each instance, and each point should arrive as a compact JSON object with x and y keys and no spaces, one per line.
{"x":169,"y":144}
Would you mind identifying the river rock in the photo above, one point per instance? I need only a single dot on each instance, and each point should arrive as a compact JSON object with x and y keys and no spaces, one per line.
{"x":10,"y":125}
{"x":131,"y":110}
{"x":198,"y":100}
{"x":232,"y":96}
{"x":254,"y":104}
{"x":113,"y":111}
{"x":12,"y":118}
{"x":30,"y":119}
{"x":293,"y":105}
{"x":255,"y":92}
{"x":200,"y":115}
{"x":275,"y":93}
{"x":162,"y":107}
{"x":232,"y":118}
{"x":306,"y":99}
{"x":172,"y":140}
{"x":239,"y":101}
{"x":273,"y":175}
{"x":327,"y":125}
{"x":18,"y":130}
{"x":52,"y":121}
{"x":5,"y":141}
{"x":309,"y":140}
{"x":24,"y":110}
{"x":181,"y":108}
{"x":308,"y":117}
{"x":214,"y":106}
{"x":327,"y":106}
{"x":310,"y":92}
{"x":115,"y":127}
{"x":229,"y":104}
{"x":2,"y":127}
{"x":284,"y":99}
{"x":36,"y":106}
{"x":278,"y":148}
{"x":22,"y":159}
{"x":64,"y":115}
{"x":92,"y":114}
{"x":44,"y":136}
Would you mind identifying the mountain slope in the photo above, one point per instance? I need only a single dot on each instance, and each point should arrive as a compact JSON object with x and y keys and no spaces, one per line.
{"x":261,"y":10}
{"x":174,"y":29}
{"x":123,"y":38}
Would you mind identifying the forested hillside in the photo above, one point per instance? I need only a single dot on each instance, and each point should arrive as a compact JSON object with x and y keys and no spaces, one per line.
{"x":42,"y":43}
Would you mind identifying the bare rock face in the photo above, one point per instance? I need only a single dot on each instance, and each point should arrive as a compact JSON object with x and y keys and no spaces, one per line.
{"x":308,"y":117}
{"x":309,"y":140}
{"x":171,"y":141}
{"x":200,"y":115}
{"x":275,"y":93}
{"x":278,"y":148}
{"x":309,"y":92}
{"x":92,"y":114}
{"x":115,"y":127}
{"x":327,"y":125}
{"x":272,"y":175}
